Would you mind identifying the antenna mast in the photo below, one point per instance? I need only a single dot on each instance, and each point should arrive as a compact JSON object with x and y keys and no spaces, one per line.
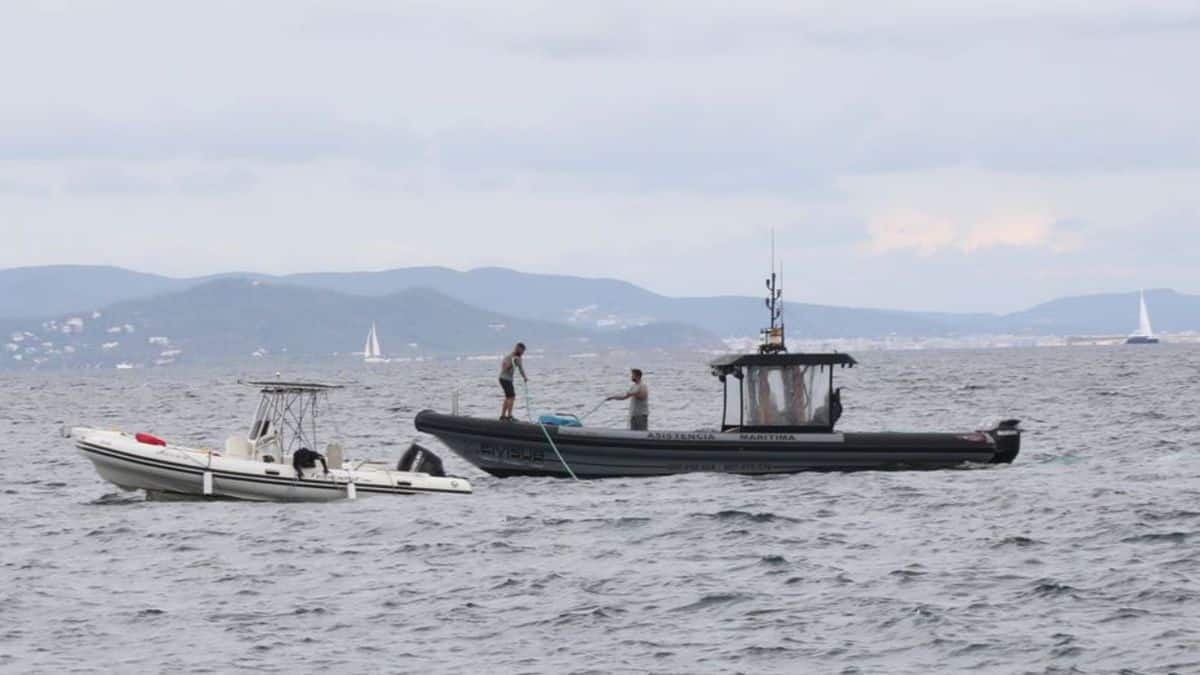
{"x":773,"y":337}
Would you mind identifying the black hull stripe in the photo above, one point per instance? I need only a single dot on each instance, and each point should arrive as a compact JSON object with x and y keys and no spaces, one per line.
{"x":485,"y":430}
{"x":574,"y":458}
{"x":246,"y":478}
{"x":544,"y":473}
{"x":615,"y":468}
{"x":609,"y":459}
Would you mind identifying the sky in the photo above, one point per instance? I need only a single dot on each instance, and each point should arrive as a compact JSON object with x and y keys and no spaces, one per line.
{"x":957,"y":156}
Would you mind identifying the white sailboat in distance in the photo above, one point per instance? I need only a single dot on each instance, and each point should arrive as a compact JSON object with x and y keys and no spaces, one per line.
{"x":371,"y":351}
{"x":1144,"y":334}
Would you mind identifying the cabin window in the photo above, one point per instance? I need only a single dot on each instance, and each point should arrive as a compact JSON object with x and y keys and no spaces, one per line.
{"x":733,"y":399}
{"x":786,"y":396}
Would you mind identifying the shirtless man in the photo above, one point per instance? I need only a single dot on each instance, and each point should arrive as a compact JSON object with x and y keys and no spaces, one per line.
{"x":508,"y":364}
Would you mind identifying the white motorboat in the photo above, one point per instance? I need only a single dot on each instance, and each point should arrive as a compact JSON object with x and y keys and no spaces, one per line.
{"x":262,"y":465}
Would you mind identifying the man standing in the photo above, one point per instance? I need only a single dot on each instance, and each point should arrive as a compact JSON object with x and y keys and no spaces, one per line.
{"x":639,"y":402}
{"x":508,"y":364}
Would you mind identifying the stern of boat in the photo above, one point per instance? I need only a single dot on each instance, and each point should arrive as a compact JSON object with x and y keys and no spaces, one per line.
{"x":1007,"y":436}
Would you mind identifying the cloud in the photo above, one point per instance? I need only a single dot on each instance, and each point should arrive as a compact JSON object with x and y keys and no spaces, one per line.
{"x":964,"y":213}
{"x":1019,"y":231}
{"x":928,"y":234}
{"x":766,"y":93}
{"x":910,"y":230}
{"x":1019,"y":133}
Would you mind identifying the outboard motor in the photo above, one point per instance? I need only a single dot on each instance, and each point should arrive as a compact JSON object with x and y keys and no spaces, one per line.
{"x":419,"y":459}
{"x":1007,"y":435}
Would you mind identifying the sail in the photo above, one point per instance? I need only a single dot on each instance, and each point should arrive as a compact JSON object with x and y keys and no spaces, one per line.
{"x":371,"y":348}
{"x":1144,"y":319}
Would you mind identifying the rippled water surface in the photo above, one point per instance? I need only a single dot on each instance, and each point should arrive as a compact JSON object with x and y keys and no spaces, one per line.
{"x":1081,"y":556}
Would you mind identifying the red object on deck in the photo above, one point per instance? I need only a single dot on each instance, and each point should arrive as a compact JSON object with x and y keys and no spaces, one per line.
{"x":149,"y":440}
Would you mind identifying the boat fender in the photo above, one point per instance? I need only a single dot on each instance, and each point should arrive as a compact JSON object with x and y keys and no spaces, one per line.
{"x":149,"y":440}
{"x":419,"y":459}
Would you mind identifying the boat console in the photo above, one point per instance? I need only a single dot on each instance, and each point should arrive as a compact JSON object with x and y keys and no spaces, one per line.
{"x":774,"y":391}
{"x":780,"y":392}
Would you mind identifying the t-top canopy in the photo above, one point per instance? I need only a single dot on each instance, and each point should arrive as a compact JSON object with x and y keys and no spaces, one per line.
{"x":277,"y":386}
{"x":732,"y":362}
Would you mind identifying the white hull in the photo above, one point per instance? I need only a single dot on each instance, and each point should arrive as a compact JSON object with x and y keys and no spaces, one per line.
{"x":122,"y":460}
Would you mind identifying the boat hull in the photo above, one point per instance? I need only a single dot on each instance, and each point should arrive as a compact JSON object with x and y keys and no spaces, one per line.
{"x":1141,"y":340}
{"x":520,"y":449}
{"x":123,"y":461}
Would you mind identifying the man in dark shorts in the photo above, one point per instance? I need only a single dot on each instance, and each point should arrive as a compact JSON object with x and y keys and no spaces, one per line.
{"x":509,"y":364}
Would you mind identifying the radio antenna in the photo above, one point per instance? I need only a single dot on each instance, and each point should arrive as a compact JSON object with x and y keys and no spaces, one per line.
{"x":773,"y":336}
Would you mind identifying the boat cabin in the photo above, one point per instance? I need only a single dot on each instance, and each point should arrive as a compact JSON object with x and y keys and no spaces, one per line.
{"x":780,"y":392}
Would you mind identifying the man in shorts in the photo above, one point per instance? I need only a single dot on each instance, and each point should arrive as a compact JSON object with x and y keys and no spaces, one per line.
{"x":509,"y":364}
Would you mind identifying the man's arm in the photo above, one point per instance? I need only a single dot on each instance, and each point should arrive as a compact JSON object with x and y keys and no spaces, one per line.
{"x":520,"y":362}
{"x":621,"y":397}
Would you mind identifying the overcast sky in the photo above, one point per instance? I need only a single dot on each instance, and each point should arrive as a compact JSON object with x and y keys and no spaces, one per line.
{"x":948,"y":155}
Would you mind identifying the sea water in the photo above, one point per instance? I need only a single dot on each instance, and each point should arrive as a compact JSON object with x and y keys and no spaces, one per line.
{"x":1082,"y":556}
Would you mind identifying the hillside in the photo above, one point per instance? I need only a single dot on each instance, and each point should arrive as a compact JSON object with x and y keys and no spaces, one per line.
{"x":236,"y":318}
{"x":606,"y":305}
{"x":40,"y":292}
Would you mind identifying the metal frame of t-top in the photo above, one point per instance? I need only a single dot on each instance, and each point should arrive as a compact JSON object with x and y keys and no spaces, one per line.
{"x":284,"y":412}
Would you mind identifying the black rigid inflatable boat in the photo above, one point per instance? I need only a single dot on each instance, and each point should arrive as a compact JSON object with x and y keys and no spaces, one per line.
{"x":780,"y":416}
{"x":761,"y":439}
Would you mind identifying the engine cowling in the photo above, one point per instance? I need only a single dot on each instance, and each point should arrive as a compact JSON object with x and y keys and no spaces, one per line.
{"x":419,"y":459}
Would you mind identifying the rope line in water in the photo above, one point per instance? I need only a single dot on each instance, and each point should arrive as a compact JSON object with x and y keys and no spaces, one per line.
{"x":593,"y":410}
{"x":545,"y":431}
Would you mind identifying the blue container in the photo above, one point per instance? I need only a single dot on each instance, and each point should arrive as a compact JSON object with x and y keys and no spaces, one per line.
{"x":560,"y":420}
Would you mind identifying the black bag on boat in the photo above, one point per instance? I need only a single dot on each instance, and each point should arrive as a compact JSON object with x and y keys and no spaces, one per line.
{"x":307,"y":459}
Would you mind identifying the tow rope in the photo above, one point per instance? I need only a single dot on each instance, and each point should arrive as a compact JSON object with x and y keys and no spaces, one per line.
{"x":545,"y":431}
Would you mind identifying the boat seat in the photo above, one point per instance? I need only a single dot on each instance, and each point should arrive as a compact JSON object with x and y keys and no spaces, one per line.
{"x":238,"y":448}
{"x":333,"y":456}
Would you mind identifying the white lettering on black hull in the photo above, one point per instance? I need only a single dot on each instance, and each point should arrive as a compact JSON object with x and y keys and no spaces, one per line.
{"x":681,"y":436}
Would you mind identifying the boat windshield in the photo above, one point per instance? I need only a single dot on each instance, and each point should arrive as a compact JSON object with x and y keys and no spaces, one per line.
{"x":786,"y":396}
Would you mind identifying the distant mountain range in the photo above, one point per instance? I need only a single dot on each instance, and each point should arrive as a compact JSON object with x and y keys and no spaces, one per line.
{"x":240,"y":318}
{"x":79,"y":315}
